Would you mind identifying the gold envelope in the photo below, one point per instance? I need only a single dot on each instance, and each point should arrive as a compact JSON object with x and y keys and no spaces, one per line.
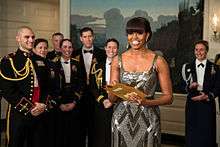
{"x":123,"y":91}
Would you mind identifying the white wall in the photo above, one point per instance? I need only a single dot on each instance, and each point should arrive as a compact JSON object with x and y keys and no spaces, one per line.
{"x":42,"y":16}
{"x":211,"y":7}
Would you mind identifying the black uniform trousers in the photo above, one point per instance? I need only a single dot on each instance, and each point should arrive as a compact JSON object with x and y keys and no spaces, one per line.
{"x":86,"y":118}
{"x":95,"y":122}
{"x":26,"y":130}
{"x":200,"y":123}
{"x":67,"y":129}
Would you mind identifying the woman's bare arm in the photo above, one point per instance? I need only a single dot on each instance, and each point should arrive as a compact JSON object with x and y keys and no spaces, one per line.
{"x":165,"y":85}
{"x":114,"y":76}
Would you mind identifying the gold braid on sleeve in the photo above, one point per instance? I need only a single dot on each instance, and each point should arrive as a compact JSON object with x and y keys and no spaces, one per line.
{"x":98,"y":75}
{"x":22,"y":74}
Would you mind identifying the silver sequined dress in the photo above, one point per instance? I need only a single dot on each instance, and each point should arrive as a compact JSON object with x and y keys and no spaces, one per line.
{"x":133,"y":125}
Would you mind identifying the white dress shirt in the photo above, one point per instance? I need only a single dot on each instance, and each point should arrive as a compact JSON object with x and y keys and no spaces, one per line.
{"x":200,"y":72}
{"x":107,"y":71}
{"x":66,"y":69}
{"x":87,"y":57}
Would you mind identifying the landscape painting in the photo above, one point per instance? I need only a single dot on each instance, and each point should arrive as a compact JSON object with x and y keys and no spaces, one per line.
{"x":176,"y":25}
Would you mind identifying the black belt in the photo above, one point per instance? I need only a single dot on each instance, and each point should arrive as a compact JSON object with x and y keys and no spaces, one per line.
{"x":67,"y":85}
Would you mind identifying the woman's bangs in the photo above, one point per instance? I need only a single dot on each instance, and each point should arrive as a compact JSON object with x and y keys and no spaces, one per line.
{"x":135,"y":30}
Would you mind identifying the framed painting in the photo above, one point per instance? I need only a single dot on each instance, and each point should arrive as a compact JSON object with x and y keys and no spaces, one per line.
{"x":176,"y":25}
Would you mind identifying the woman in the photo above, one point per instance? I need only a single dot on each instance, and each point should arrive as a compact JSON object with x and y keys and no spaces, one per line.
{"x":40,"y":47}
{"x":136,"y":122}
{"x":40,"y":63}
{"x":203,"y":86}
{"x":45,"y":75}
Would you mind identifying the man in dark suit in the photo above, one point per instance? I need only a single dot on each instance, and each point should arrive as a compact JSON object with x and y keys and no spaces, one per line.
{"x":56,"y":39}
{"x":21,"y":88}
{"x":70,"y":89}
{"x":88,"y":55}
{"x":217,"y":59}
{"x":100,"y":76}
{"x":203,"y":86}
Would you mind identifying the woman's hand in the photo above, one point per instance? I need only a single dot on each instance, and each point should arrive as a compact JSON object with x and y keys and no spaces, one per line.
{"x":112,"y":98}
{"x":133,"y":97}
{"x":200,"y":97}
{"x":107,"y":103}
{"x":38,"y":109}
{"x":67,"y":107}
{"x":193,"y":85}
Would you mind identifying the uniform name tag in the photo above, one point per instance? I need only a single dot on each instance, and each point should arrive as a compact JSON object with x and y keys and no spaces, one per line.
{"x":40,"y":63}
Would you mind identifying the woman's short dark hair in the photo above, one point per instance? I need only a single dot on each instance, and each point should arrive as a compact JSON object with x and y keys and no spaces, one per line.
{"x":39,"y":40}
{"x":112,"y":40}
{"x":66,"y":39}
{"x":203,"y":42}
{"x":140,"y":25}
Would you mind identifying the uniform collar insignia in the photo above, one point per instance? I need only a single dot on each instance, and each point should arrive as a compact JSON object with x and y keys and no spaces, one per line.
{"x":213,"y":70}
{"x":40,"y":63}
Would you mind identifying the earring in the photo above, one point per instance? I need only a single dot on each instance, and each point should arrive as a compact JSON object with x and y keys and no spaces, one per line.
{"x":146,"y":45}
{"x":128,"y":46}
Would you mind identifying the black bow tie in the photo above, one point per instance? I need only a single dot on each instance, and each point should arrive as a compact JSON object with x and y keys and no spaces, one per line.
{"x":88,"y":51}
{"x":201,"y":64}
{"x":66,"y":62}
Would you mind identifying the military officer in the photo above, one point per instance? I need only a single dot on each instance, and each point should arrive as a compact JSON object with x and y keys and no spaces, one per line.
{"x":56,"y":39}
{"x":45,"y":71}
{"x":203,"y":86}
{"x":21,"y":89}
{"x":88,"y":55}
{"x":70,"y":89}
{"x":100,"y":76}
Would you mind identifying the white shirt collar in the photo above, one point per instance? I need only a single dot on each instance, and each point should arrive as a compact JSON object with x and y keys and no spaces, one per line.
{"x":84,"y":48}
{"x":24,"y":50}
{"x":62,"y":60}
{"x":203,"y":62}
{"x":108,"y":62}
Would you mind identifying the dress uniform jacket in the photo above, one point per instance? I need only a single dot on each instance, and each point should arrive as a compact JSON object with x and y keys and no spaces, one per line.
{"x":102,"y":116}
{"x":88,"y":100}
{"x":45,"y":71}
{"x":200,"y":115}
{"x":69,"y":92}
{"x":53,"y":54}
{"x":67,"y":122}
{"x":46,"y":74}
{"x":14,"y":90}
{"x":17,"y":79}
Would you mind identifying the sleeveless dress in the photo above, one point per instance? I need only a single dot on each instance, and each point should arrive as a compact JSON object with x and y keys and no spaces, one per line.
{"x":133,"y":125}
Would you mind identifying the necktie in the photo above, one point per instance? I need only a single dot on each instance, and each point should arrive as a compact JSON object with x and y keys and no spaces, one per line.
{"x":66,"y":62}
{"x":88,"y":51}
{"x":201,"y":64}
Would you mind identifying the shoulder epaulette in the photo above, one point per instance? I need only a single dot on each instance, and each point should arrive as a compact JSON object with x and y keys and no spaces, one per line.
{"x":75,"y":59}
{"x":6,"y":58}
{"x":56,"y":59}
{"x":18,"y":74}
{"x":10,"y":55}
